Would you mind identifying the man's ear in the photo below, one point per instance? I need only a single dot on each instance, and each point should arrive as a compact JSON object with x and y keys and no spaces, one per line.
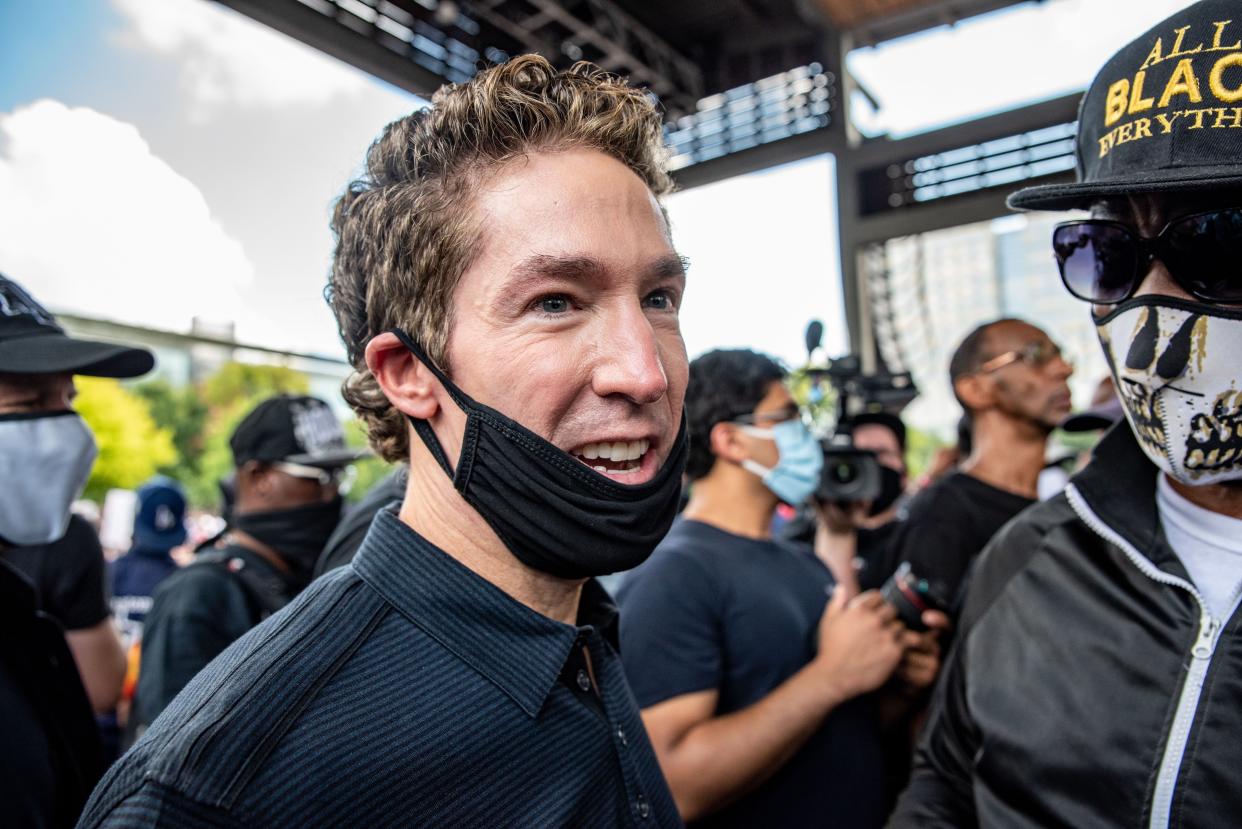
{"x":728,"y":442}
{"x":976,"y":392}
{"x":406,"y":382}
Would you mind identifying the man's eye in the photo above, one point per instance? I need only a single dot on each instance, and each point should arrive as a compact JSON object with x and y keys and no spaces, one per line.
{"x":553,"y":305}
{"x":660,"y":300}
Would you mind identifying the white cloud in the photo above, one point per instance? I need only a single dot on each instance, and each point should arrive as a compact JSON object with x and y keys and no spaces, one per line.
{"x":95,"y":223}
{"x":228,"y":59}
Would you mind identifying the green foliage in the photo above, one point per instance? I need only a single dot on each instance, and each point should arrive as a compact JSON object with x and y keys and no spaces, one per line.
{"x":920,"y":449}
{"x":132,"y":446}
{"x":816,"y":397}
{"x":235,"y":382}
{"x":182,"y":412}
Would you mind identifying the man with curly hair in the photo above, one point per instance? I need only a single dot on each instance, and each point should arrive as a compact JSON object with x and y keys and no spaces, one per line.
{"x":508,"y":295}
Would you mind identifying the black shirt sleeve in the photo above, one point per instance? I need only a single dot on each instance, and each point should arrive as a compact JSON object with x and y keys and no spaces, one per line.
{"x":196,"y":613}
{"x":68,"y":575}
{"x":670,"y":630}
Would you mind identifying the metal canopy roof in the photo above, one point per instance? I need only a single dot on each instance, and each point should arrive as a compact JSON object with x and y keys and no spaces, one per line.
{"x":745,"y":84}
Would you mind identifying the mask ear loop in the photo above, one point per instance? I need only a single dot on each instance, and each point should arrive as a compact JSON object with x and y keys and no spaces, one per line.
{"x":423,"y":428}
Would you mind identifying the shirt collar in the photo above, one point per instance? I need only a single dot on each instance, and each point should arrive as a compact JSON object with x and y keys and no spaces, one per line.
{"x":517,"y":649}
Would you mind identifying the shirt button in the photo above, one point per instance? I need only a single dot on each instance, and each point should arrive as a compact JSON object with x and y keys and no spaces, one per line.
{"x":584,"y":681}
{"x":644,"y":809}
{"x":621,"y":736}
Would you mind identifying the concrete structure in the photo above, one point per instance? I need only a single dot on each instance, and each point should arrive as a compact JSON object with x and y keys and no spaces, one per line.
{"x":184,"y":358}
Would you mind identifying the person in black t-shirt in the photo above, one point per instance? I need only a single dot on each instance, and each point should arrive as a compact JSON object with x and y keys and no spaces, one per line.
{"x":754,"y":687}
{"x":55,"y":631}
{"x":1012,"y":381}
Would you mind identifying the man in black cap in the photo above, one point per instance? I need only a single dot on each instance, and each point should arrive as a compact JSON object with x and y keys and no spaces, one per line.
{"x":53,"y":608}
{"x":1097,"y":679}
{"x":289,"y":454}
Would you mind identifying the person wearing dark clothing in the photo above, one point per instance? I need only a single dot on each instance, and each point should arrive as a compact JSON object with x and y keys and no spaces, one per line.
{"x":1012,"y":381}
{"x":51,"y":569}
{"x":530,"y":371}
{"x":288,"y":453}
{"x":159,"y":526}
{"x":68,"y":574}
{"x":198,"y":612}
{"x":545,"y":702}
{"x":348,"y":535}
{"x":949,"y":523}
{"x":1097,"y":677}
{"x":855,"y":540}
{"x":50,"y":754}
{"x":743,"y":620}
{"x":755,"y":688}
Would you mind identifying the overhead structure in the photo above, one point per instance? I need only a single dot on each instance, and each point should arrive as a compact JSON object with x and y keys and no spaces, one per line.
{"x":745,"y":84}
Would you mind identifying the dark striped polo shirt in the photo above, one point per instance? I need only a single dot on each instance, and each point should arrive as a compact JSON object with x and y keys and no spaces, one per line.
{"x":402,"y":690}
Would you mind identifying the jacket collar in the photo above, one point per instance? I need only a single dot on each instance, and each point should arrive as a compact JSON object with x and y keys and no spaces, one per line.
{"x":517,"y":649}
{"x":1119,"y":485}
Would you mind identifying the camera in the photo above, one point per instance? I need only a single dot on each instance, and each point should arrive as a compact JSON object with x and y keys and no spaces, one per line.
{"x":851,"y":474}
{"x":911,"y":595}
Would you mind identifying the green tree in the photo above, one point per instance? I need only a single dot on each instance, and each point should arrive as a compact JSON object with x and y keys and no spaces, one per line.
{"x":183,"y":413}
{"x":132,"y":447}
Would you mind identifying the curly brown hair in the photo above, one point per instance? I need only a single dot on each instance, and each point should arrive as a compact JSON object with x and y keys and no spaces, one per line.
{"x":404,"y":230}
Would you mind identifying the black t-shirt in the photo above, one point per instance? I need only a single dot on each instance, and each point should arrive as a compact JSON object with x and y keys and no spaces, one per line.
{"x":49,"y":746}
{"x":715,"y":611}
{"x":948,"y":524}
{"x":875,"y":557}
{"x":68,"y":575}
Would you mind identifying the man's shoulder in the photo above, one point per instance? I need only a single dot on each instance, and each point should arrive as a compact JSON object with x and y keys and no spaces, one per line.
{"x":229,"y":720}
{"x":1012,"y":549}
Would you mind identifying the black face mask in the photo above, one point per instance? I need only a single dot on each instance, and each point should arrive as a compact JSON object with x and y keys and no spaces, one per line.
{"x":552,"y":512}
{"x":890,"y":490}
{"x":298,"y":534}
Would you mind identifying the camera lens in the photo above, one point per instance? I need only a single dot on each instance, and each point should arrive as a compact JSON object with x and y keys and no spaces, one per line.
{"x":844,"y":473}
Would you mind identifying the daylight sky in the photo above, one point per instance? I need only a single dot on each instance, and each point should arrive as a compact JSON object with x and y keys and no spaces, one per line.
{"x":165,"y":159}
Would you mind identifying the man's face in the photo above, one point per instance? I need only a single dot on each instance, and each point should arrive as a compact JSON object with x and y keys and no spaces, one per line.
{"x":33,"y":393}
{"x":1025,"y":390}
{"x":264,"y":487}
{"x":567,"y":320}
{"x":880,"y":439}
{"x":777,"y":406}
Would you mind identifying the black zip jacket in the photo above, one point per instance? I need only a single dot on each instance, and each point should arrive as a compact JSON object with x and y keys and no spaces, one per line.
{"x":1089,"y":685}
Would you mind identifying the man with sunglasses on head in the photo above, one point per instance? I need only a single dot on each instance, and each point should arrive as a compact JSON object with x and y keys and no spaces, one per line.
{"x":1097,"y":679}
{"x":1011,"y":380}
{"x":752,"y":665}
{"x":289,"y":454}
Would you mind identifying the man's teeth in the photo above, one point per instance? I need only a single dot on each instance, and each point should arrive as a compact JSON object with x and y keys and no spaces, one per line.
{"x":619,"y":451}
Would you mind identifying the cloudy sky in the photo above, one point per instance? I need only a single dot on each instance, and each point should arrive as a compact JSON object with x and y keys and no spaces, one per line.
{"x":165,"y":159}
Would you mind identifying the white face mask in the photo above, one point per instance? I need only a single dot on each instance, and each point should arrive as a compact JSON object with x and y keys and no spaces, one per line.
{"x":45,"y":459}
{"x":1178,"y":367}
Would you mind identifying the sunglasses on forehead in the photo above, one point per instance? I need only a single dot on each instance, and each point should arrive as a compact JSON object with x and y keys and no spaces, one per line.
{"x":1104,"y":262}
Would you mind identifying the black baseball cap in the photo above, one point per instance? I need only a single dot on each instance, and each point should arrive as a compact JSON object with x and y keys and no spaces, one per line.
{"x":1163,"y":115}
{"x":31,"y":342}
{"x":293,"y":429}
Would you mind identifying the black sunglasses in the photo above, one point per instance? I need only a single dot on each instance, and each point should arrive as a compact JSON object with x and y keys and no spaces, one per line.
{"x":1104,"y":262}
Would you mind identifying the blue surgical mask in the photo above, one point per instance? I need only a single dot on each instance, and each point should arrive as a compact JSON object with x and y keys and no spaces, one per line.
{"x":796,"y":474}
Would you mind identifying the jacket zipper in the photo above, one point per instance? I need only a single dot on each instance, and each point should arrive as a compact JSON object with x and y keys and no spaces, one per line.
{"x":1200,"y":660}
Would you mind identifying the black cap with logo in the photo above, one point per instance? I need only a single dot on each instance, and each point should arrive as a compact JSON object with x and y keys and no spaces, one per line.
{"x":1163,"y":115}
{"x":292,"y":429}
{"x":31,"y":342}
